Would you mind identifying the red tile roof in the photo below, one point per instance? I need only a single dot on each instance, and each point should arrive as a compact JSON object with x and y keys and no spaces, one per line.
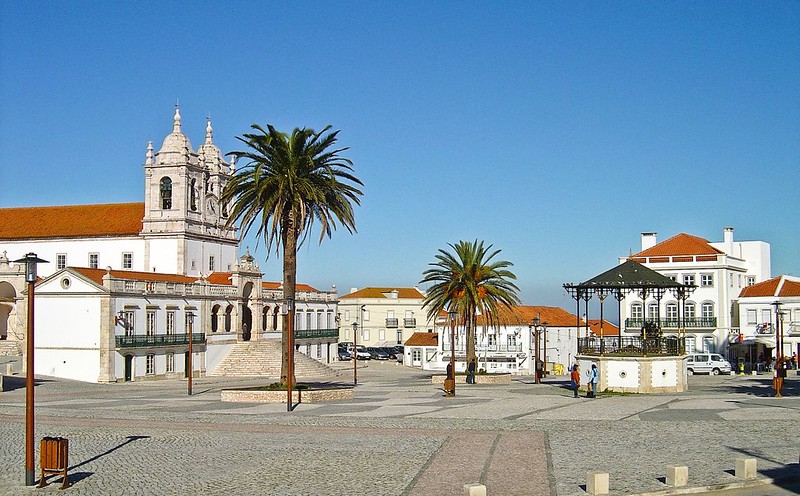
{"x":423,"y":339}
{"x":97,"y":275}
{"x":681,"y":244}
{"x":220,"y":278}
{"x":524,"y":315}
{"x":224,"y":278}
{"x":777,"y":286}
{"x":413,"y":293}
{"x":297,"y":287}
{"x":72,"y":221}
{"x":609,"y":329}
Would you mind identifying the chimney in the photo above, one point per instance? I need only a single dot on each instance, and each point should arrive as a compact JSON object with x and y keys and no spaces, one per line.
{"x":727,"y":238}
{"x":648,"y":240}
{"x":353,"y":290}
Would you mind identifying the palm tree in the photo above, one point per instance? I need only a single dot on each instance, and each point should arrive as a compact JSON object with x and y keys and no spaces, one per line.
{"x":288,"y":182}
{"x":469,"y":283}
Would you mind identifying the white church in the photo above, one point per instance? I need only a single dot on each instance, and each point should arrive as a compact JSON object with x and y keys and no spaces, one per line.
{"x":128,"y":283}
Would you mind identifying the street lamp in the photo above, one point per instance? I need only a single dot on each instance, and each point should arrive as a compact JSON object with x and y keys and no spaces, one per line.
{"x":189,"y":366}
{"x":354,"y":354}
{"x":538,"y":327}
{"x":30,"y":261}
{"x":778,"y":346}
{"x":452,"y":376}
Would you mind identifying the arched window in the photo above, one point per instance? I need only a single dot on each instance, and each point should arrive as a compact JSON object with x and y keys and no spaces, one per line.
{"x":264,"y":318}
{"x":707,"y":310}
{"x":672,"y":311}
{"x":214,"y":318}
{"x":689,"y":311}
{"x":708,"y":344}
{"x":193,"y":196}
{"x":166,"y":193}
{"x":636,"y":311}
{"x":652,"y":311}
{"x":228,"y":318}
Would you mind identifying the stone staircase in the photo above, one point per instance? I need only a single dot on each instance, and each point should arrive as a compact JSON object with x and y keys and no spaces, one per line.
{"x":10,"y":348}
{"x":263,"y":359}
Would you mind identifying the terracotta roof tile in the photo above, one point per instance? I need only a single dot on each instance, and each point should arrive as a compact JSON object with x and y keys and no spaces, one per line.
{"x":777,"y":286}
{"x":681,"y":244}
{"x":97,"y":275}
{"x":524,"y":315}
{"x":297,"y":287}
{"x":115,"y":219}
{"x":609,"y":329}
{"x":423,"y":339}
{"x":412,"y":293}
{"x":220,"y":278}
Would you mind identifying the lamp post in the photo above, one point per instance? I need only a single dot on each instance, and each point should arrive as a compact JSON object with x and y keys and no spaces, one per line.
{"x":189,"y":366}
{"x":452,"y":314}
{"x":538,"y":327}
{"x":30,"y":261}
{"x":290,"y":364}
{"x":355,"y":354}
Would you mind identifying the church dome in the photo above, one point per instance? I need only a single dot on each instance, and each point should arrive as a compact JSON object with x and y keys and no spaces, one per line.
{"x":176,"y":145}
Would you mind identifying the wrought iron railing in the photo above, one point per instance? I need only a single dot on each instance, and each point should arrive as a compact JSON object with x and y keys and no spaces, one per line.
{"x":316,"y":333}
{"x":691,"y":323}
{"x":409,"y":322}
{"x":631,"y":346}
{"x":159,"y":340}
{"x":391,"y":323}
{"x":480,"y":348}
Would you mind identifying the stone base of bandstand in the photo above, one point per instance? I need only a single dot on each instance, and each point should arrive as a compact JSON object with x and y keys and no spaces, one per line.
{"x":657,"y":374}
{"x":298,"y":396}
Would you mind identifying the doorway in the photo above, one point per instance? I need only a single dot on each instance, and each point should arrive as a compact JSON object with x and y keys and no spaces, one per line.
{"x":128,"y":368}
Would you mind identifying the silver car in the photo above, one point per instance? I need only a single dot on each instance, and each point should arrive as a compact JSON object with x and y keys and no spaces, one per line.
{"x":707,"y":363}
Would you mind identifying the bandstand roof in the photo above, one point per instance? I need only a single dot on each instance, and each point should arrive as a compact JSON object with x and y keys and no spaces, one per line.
{"x":628,"y":275}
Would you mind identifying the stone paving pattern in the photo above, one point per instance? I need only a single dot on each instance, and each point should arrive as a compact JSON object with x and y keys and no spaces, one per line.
{"x":400,"y":436}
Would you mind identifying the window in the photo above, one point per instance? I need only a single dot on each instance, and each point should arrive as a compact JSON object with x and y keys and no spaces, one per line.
{"x":707,"y":310}
{"x":166,"y":193}
{"x":766,"y":316}
{"x":127,"y":260}
{"x":365,"y":315}
{"x":416,"y":355}
{"x":347,"y":333}
{"x":151,"y":323}
{"x":750,"y":280}
{"x":708,"y":344}
{"x":93,"y":260}
{"x":752,"y":317}
{"x":61,"y":260}
{"x":381,"y":335}
{"x":193,"y":195}
{"x":672,"y":311}
{"x":151,"y":364}
{"x":171,"y":323}
{"x":170,"y":362}
{"x":347,"y":315}
{"x":688,"y":279}
{"x":129,"y":322}
{"x":211,"y":263}
{"x":691,"y":345}
{"x":706,"y":280}
{"x":636,"y":311}
{"x":512,"y":341}
{"x":652,"y":311}
{"x":365,"y":334}
{"x":689,"y":312}
{"x":309,"y":320}
{"x":490,"y":339}
{"x":399,"y":337}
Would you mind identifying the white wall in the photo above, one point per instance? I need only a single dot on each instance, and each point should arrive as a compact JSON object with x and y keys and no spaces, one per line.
{"x":109,"y":252}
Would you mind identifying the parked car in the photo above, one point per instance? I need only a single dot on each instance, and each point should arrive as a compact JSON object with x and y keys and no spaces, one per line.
{"x":707,"y":363}
{"x":377,"y":353}
{"x":389,"y":350}
{"x":344,"y":354}
{"x":361,"y":352}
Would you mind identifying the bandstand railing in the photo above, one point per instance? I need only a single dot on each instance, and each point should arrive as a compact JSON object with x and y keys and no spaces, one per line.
{"x":631,"y":346}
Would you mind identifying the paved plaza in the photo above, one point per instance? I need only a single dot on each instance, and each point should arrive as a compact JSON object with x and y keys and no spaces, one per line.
{"x":400,"y":436}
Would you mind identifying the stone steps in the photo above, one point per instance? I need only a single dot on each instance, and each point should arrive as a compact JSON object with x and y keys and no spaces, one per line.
{"x":263,"y":359}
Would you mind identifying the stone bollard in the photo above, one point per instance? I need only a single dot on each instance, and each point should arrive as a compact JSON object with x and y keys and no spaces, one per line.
{"x":474,"y":490}
{"x":597,"y":482}
{"x":677,"y":476}
{"x":745,"y":468}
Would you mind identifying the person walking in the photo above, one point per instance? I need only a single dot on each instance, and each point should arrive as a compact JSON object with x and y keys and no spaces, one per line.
{"x":471,"y":372}
{"x":575,"y":379}
{"x":592,"y":382}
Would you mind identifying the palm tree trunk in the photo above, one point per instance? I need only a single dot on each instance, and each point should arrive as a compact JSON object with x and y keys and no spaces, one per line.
{"x":289,"y":289}
{"x":469,"y":323}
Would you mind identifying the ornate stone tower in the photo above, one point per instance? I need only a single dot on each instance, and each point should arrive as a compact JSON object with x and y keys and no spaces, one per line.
{"x":184,"y":225}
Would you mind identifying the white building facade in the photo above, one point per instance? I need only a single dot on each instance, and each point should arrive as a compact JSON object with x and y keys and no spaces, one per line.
{"x":383,"y":316}
{"x":121,"y":281}
{"x":719,"y":270}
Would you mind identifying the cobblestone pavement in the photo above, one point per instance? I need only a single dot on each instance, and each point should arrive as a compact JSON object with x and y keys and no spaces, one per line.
{"x":400,"y":436}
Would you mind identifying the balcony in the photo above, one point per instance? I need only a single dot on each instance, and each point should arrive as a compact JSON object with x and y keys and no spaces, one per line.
{"x":409,"y":322}
{"x":693,"y":323}
{"x":159,"y":340}
{"x":391,"y":323}
{"x":316,"y":333}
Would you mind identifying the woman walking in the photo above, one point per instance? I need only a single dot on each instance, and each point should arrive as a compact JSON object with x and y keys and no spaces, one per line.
{"x":575,"y":379}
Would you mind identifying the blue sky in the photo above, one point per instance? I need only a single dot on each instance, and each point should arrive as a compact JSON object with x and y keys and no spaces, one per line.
{"x":556,"y":131}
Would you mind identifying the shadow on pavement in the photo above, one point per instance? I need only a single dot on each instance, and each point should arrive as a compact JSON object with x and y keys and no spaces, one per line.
{"x":763,"y":387}
{"x":13,"y":382}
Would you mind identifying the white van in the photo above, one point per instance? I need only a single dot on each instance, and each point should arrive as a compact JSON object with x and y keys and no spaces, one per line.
{"x":707,"y":363}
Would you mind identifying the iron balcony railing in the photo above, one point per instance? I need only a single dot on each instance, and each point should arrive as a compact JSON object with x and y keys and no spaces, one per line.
{"x":631,"y":346}
{"x":410,"y":322}
{"x":480,"y":348}
{"x":691,"y":323}
{"x":316,"y":333}
{"x":159,"y":340}
{"x":391,"y":323}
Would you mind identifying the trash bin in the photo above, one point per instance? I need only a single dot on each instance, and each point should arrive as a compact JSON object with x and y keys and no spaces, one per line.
{"x":449,"y":387}
{"x":54,"y":452}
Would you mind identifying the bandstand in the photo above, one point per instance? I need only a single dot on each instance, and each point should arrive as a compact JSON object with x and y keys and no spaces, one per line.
{"x":648,"y":363}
